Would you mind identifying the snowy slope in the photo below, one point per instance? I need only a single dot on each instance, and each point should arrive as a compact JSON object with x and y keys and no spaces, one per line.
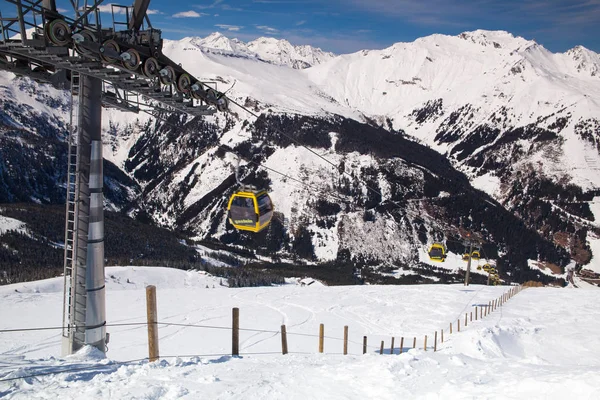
{"x":274,"y":86}
{"x":11,"y":224}
{"x":505,"y":355}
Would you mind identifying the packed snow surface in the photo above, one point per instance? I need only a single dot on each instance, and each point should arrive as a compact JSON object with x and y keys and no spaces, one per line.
{"x":11,"y":224}
{"x":542,"y":344}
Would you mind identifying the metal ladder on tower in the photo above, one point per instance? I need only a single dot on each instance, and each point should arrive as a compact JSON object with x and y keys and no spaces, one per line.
{"x":76,"y":221}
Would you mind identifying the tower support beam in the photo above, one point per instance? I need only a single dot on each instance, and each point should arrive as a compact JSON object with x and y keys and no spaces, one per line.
{"x":86,"y":303}
{"x":91,"y":123}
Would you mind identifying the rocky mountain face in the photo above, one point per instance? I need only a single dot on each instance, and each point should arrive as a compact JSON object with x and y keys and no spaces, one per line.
{"x":33,"y":151}
{"x":482,"y":132}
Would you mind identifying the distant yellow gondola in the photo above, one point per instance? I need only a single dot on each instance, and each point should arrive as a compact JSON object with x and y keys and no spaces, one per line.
{"x":475,"y":255}
{"x":437,"y":252}
{"x":250,"y":210}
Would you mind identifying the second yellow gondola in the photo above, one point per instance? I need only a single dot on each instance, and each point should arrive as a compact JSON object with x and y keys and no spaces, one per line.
{"x":250,"y":210}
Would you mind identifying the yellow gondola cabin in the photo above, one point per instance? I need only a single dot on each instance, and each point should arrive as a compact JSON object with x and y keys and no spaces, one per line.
{"x":437,"y":252}
{"x":250,"y":210}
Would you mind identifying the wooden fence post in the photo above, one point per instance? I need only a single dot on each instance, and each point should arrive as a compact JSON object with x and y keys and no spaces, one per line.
{"x":381,"y":349}
{"x":451,"y":328}
{"x":475,"y":313}
{"x":152,"y":316}
{"x":425,"y":343}
{"x":471,"y":317}
{"x":415,"y":343}
{"x":392,"y":346}
{"x":435,"y":341}
{"x":235,"y":333}
{"x":284,"y":349}
{"x":442,"y":336}
{"x":364,"y":345}
{"x":466,"y":322}
{"x":401,"y":344}
{"x":321,"y":337}
{"x":458,"y":326}
{"x":346,"y":340}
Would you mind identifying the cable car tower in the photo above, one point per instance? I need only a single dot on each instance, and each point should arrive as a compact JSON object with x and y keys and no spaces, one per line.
{"x":110,"y":67}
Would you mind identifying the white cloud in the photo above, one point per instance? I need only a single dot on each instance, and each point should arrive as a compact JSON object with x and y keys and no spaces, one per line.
{"x":187,"y":14}
{"x":107,"y":8}
{"x":267,"y":29}
{"x":233,"y":28}
{"x":213,"y":5}
{"x":300,"y":22}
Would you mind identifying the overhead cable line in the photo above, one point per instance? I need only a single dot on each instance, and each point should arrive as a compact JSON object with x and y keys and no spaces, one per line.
{"x":258,"y":164}
{"x":337,"y":167}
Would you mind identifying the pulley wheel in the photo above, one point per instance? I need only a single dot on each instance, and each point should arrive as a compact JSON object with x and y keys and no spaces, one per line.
{"x":169,"y":77}
{"x":151,"y":67}
{"x":211,"y":95}
{"x":222,"y":104}
{"x":183,"y":83}
{"x":134,"y":61}
{"x":58,"y":32}
{"x":197,"y":94}
{"x":89,"y":37}
{"x":112,"y":45}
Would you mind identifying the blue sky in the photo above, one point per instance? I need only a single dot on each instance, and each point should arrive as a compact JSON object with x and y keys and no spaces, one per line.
{"x":345,"y":26}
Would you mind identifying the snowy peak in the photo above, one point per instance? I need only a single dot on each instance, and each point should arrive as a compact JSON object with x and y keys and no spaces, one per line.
{"x":586,"y":61}
{"x":271,"y":50}
{"x":217,"y":43}
{"x":496,"y":39}
{"x":282,"y":52}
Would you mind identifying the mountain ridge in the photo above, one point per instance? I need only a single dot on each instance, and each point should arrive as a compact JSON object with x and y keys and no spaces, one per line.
{"x":270,"y":50}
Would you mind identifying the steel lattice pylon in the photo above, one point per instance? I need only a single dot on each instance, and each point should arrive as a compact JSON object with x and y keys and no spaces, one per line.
{"x":123,"y":69}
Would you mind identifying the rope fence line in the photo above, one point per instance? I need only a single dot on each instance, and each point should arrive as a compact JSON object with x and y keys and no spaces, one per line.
{"x":480,"y":312}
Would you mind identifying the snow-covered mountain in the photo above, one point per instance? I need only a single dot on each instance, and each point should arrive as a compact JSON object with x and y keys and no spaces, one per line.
{"x":282,"y":52}
{"x":466,"y":96}
{"x":271,"y":50}
{"x":502,"y":112}
{"x":520,"y":121}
